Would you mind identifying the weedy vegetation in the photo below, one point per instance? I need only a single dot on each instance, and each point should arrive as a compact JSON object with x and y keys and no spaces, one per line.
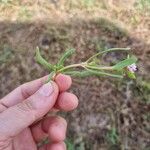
{"x":143,"y":4}
{"x":142,"y":89}
{"x":112,"y":136}
{"x":5,"y":54}
{"x":5,"y":1}
{"x":70,"y":145}
{"x":24,"y":13}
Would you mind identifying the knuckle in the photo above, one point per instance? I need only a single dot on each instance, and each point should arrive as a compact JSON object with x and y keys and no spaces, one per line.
{"x":26,"y":108}
{"x":4,"y":143}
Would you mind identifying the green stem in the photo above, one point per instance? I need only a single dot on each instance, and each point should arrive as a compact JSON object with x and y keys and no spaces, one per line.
{"x":71,"y":66}
{"x":51,"y":76}
{"x":100,"y":68}
{"x":109,"y":50}
{"x":84,"y":65}
{"x":81,"y":74}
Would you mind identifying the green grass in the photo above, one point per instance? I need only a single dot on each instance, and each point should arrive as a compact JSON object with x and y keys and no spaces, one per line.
{"x":86,"y":4}
{"x":5,"y":54}
{"x":143,"y":4}
{"x":147,"y":116}
{"x":25,"y":13}
{"x":70,"y":145}
{"x":112,"y":136}
{"x":142,"y":89}
{"x":5,"y":1}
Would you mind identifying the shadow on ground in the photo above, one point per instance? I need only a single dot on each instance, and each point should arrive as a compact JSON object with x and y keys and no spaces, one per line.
{"x":112,"y":114}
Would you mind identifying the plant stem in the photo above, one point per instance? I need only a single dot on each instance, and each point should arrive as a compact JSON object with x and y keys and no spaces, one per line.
{"x":84,"y":73}
{"x":84,"y":65}
{"x":71,"y":66}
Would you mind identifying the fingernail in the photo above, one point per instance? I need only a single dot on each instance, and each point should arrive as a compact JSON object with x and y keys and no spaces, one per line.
{"x":46,"y":90}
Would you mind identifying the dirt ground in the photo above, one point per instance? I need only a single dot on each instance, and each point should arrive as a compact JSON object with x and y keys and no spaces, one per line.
{"x":112,"y":114}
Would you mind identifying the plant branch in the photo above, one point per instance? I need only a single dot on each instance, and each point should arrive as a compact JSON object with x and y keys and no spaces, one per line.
{"x":71,"y":66}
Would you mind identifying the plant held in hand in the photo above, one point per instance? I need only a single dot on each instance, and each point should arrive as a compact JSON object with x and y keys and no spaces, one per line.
{"x":90,"y":67}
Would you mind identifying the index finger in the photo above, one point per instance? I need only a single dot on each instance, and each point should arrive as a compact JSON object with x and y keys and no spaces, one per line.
{"x":26,"y":90}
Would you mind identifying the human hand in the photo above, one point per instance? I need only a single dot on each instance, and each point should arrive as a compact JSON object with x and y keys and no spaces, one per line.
{"x":29,"y":103}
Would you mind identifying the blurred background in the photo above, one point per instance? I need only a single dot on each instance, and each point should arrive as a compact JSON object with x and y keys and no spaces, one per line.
{"x":112,"y":114}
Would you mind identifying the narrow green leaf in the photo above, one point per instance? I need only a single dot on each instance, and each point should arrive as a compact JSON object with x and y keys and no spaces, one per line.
{"x":89,"y":72}
{"x":125,"y":63}
{"x":101,"y":73}
{"x":39,"y":59}
{"x":68,"y":53}
{"x":78,"y":73}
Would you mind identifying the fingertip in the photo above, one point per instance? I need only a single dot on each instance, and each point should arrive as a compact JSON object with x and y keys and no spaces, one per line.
{"x":63,"y":81}
{"x":54,"y":146}
{"x":57,"y":132}
{"x":37,"y":132}
{"x":57,"y":146}
{"x":55,"y":127}
{"x":67,"y":101}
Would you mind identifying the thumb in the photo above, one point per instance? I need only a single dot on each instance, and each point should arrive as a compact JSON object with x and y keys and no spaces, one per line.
{"x":16,"y":118}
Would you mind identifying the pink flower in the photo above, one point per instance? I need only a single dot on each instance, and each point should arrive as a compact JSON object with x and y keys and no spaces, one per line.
{"x":132,"y":68}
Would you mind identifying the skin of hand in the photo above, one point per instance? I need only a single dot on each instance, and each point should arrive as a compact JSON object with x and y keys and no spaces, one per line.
{"x":20,"y":110}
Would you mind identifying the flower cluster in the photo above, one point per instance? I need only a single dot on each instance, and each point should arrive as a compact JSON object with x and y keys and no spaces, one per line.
{"x":132,"y":68}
